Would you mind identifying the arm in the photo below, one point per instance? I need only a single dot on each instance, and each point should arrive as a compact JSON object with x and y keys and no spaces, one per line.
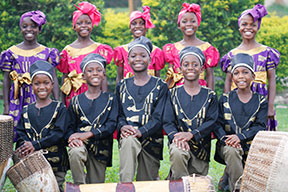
{"x":119,"y":74}
{"x":220,"y":123}
{"x":271,"y":92}
{"x":56,"y":86}
{"x":6,"y":89}
{"x":63,"y":96}
{"x":228,"y":82}
{"x":104,"y":86}
{"x":121,"y":116}
{"x":210,"y":77}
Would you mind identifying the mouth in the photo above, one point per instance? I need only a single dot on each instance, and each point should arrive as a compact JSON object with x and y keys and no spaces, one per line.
{"x":29,"y":35}
{"x":248,"y":32}
{"x":241,"y":82}
{"x":189,"y":29}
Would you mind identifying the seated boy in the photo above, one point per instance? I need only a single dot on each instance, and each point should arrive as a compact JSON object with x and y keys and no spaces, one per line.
{"x":93,"y":116}
{"x":242,"y":113}
{"x":141,"y":101}
{"x":189,"y":116}
{"x":42,"y":124}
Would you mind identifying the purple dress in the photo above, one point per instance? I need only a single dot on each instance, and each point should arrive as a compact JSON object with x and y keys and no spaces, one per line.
{"x":265,"y":58}
{"x":20,"y":60}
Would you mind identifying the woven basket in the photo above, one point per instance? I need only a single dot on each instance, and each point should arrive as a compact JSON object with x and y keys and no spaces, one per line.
{"x":266,"y":168}
{"x":198,"y":183}
{"x":6,"y":137}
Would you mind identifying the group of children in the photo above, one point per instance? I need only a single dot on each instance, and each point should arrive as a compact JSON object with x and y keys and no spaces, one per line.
{"x":142,"y":106}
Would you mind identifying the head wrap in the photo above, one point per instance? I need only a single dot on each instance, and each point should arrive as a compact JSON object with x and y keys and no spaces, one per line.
{"x":145,"y":15}
{"x":257,"y":13}
{"x":88,"y":9}
{"x":143,"y":42}
{"x":93,"y":58}
{"x":191,"y":50}
{"x":41,"y":67}
{"x":194,"y":8}
{"x":242,"y":60}
{"x":37,"y":16}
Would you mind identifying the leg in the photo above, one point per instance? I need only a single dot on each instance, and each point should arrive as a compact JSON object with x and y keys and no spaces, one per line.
{"x":148,"y":167}
{"x":60,"y":177}
{"x":95,"y":170}
{"x":77,"y":160}
{"x":129,"y":149}
{"x":179,"y":162}
{"x":197,"y":166}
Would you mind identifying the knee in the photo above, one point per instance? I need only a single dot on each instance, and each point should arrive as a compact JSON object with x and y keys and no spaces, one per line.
{"x":76,"y":153}
{"x":177,"y":154}
{"x":129,"y":142}
{"x":231,"y":152}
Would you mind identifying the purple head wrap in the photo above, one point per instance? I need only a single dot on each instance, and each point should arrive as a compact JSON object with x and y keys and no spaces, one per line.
{"x":257,"y":13}
{"x":37,"y":16}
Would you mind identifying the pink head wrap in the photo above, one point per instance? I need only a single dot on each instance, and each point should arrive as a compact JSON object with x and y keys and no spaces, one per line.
{"x":195,"y":8}
{"x":257,"y":13}
{"x":37,"y":16}
{"x":145,"y":16}
{"x":88,"y":9}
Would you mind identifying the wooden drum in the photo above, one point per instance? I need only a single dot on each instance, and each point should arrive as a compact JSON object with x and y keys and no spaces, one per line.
{"x":266,"y":168}
{"x":33,"y":173}
{"x":6,"y":146}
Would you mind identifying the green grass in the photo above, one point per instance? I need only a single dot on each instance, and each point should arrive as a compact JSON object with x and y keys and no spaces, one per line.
{"x":215,"y":170}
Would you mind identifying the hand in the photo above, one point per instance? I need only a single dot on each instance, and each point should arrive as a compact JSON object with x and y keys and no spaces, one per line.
{"x":127,"y":130}
{"x":138,"y":134}
{"x":180,"y":144}
{"x":25,"y":149}
{"x":75,"y":143}
{"x":271,"y":111}
{"x":80,"y":136}
{"x":184,"y":136}
{"x":233,"y":141}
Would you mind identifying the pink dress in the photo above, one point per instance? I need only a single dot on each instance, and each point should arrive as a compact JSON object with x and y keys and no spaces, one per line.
{"x":72,"y":57}
{"x":121,"y":60}
{"x":171,"y":54}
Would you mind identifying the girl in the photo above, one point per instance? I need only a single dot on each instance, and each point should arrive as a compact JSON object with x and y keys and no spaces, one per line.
{"x":266,"y":59}
{"x":140,"y":22}
{"x":84,"y":20}
{"x":16,"y":62}
{"x":189,"y":20}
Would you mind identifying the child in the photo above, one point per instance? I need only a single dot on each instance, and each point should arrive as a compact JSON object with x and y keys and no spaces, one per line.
{"x":140,"y":22}
{"x":16,"y":62}
{"x":84,"y":20}
{"x":43,"y":123}
{"x":141,"y":101}
{"x":93,"y":120}
{"x":188,"y":22}
{"x":266,"y":59}
{"x":188,"y":118}
{"x":242,"y":113}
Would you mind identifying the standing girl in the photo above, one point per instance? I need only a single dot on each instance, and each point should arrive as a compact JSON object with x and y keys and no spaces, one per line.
{"x":189,"y":20}
{"x":140,"y":22}
{"x":16,"y":61}
{"x":266,"y":59}
{"x":84,"y":20}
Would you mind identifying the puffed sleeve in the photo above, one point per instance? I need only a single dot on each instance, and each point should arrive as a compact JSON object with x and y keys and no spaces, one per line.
{"x":157,"y":59}
{"x":225,"y":63}
{"x":63,"y":65}
{"x":118,"y":56}
{"x":106,"y":51}
{"x":212,"y":57}
{"x":273,"y":59}
{"x":6,"y":61}
{"x":54,"y":57}
{"x":168,"y":51}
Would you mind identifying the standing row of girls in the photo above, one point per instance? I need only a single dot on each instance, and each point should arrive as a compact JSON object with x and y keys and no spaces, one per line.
{"x":16,"y":62}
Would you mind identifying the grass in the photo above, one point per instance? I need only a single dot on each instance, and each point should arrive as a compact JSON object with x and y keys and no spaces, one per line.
{"x":215,"y":169}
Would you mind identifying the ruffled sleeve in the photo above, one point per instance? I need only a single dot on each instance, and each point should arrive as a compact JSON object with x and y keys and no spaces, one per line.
{"x":118,"y":56}
{"x":63,"y":65}
{"x":168,"y":51}
{"x":6,"y":61}
{"x":157,"y":59}
{"x":273,"y":59}
{"x":212,"y":57}
{"x":54,"y":57}
{"x":225,"y":63}
{"x":106,"y":51}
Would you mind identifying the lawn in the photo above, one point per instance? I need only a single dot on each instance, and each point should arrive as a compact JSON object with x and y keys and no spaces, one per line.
{"x":215,"y":169}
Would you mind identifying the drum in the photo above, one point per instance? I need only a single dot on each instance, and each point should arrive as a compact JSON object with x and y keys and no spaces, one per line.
{"x":33,"y":173}
{"x":6,"y":146}
{"x":266,"y":168}
{"x":194,"y":183}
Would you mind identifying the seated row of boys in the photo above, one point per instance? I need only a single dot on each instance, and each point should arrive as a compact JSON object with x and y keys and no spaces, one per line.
{"x":141,"y":108}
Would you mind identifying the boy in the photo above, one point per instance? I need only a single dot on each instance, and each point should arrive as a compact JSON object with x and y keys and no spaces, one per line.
{"x":93,"y":116}
{"x":189,"y":115}
{"x":242,"y":113}
{"x":42,"y":124}
{"x":141,"y":102}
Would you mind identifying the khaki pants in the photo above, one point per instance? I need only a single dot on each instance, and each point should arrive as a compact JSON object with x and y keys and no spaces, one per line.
{"x":131,"y":152}
{"x":184,"y":163}
{"x":60,"y":178}
{"x":79,"y":158}
{"x":233,"y":159}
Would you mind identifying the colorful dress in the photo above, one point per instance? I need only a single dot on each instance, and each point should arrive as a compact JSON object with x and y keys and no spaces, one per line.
{"x":70,"y":64}
{"x":17,"y":61}
{"x":121,"y":60}
{"x":171,"y":54}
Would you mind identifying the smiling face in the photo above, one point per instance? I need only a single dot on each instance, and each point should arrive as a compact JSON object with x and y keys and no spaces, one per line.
{"x":29,"y":29}
{"x":83,"y":26}
{"x":188,"y":24}
{"x":137,"y":28}
{"x":94,"y":74}
{"x":139,"y":59}
{"x":242,"y":77}
{"x":191,"y":68}
{"x":42,"y":86}
{"x":248,"y":28}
